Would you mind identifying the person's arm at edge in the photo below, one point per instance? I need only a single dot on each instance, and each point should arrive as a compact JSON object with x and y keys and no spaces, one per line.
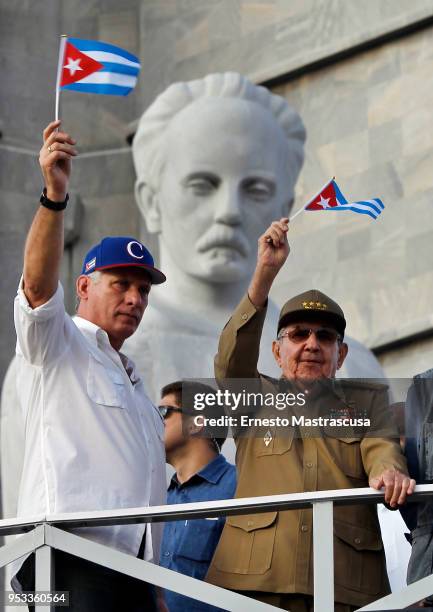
{"x":44,"y":244}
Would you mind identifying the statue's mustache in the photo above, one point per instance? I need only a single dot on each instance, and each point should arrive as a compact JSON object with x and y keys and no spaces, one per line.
{"x":226,"y":238}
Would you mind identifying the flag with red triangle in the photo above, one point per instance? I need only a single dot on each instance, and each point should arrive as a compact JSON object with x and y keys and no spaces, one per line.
{"x":92,"y":66}
{"x":331,"y":198}
{"x":77,"y":65}
{"x":330,"y":195}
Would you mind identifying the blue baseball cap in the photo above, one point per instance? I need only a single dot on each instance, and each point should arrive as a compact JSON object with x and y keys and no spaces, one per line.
{"x":118,"y":252}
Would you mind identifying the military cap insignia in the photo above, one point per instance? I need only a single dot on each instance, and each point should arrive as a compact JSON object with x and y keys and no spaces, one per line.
{"x":314,"y":305}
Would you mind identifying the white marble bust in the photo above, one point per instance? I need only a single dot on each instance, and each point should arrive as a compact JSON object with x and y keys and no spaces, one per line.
{"x":216,"y":160}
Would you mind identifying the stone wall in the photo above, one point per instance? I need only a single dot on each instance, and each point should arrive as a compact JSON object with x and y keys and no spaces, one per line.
{"x":264,"y":39}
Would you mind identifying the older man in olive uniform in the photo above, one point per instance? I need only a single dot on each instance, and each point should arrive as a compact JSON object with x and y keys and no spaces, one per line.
{"x":269,"y":555}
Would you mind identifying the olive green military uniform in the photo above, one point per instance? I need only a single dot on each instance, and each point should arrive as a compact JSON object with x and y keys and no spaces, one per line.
{"x":272,"y":552}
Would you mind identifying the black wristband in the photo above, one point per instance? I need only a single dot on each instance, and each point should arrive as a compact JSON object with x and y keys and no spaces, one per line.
{"x":57,"y":206}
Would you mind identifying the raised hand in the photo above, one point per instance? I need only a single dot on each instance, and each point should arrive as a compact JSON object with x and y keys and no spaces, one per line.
{"x":55,"y":160}
{"x":273,"y":245}
{"x":273,"y":250}
{"x":44,"y":245}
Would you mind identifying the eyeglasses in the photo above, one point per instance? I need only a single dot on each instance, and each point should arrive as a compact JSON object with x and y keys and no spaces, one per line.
{"x":165,"y":411}
{"x":324,"y":335}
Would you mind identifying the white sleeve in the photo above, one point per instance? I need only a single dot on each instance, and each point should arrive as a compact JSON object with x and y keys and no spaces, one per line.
{"x":42,"y":332}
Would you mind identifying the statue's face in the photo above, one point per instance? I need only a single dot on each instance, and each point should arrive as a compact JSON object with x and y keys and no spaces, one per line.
{"x":224,"y":181}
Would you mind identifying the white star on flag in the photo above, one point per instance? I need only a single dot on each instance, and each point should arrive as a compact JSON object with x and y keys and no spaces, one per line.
{"x":324,"y":202}
{"x":73,"y":65}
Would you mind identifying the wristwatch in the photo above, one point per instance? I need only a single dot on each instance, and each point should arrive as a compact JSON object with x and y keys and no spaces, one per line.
{"x":57,"y":206}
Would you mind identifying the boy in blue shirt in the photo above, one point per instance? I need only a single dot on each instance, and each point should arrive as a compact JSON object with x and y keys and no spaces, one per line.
{"x":202,"y":474}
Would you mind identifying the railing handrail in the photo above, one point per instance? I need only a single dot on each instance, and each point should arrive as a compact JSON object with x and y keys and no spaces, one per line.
{"x":227,"y":507}
{"x":46,"y":535}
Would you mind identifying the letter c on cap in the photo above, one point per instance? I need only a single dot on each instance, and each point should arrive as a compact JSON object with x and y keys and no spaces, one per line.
{"x":129,"y":249}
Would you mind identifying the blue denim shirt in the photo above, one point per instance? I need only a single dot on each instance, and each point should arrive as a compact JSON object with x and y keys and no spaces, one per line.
{"x":188,"y":546}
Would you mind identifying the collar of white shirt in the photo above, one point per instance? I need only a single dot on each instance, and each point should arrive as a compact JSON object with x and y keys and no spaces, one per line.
{"x":99,"y":338}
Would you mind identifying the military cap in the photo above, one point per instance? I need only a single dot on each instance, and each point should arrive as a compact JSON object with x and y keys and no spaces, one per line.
{"x":309,"y":306}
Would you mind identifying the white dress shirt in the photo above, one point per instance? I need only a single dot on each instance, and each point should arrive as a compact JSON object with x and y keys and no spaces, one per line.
{"x":94,"y":441}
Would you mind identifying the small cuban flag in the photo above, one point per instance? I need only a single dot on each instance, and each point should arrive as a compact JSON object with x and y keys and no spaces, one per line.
{"x":331,"y":198}
{"x":91,"y":66}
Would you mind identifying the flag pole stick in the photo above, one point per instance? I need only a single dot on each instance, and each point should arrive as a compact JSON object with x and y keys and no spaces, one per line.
{"x":296,"y":214}
{"x":63,"y":39}
{"x":311,"y":199}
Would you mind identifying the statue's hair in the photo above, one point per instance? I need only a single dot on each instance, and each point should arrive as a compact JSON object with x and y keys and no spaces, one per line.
{"x":148,"y":149}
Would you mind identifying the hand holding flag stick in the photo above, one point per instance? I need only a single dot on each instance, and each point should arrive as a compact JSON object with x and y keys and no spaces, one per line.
{"x":277,"y":232}
{"x":55,"y":159}
{"x":272,"y":252}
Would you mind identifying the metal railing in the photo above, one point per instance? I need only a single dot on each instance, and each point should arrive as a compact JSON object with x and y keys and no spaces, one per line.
{"x":44,"y":532}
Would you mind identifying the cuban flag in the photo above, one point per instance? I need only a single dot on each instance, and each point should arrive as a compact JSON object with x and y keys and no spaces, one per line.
{"x":331,"y":198}
{"x":91,"y":66}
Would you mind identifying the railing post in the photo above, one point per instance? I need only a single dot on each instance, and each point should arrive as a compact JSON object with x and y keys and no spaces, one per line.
{"x":43,"y":571}
{"x":323,"y":555}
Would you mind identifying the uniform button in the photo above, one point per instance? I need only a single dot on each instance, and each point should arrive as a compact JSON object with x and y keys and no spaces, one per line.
{"x":357,"y":540}
{"x":244,"y":316}
{"x":250,"y":523}
{"x":309,"y":464}
{"x":304,"y":528}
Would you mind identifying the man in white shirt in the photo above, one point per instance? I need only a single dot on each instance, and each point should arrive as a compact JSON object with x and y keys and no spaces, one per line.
{"x":93,"y":439}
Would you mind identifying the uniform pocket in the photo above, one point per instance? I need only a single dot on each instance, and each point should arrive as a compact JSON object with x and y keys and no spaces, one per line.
{"x":250,"y":539}
{"x":349,"y":458}
{"x":105,"y":386}
{"x":359,"y":558}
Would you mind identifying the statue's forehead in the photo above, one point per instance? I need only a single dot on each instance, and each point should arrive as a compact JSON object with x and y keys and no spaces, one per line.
{"x":226,"y":110}
{"x":233,"y":115}
{"x":232,"y":139}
